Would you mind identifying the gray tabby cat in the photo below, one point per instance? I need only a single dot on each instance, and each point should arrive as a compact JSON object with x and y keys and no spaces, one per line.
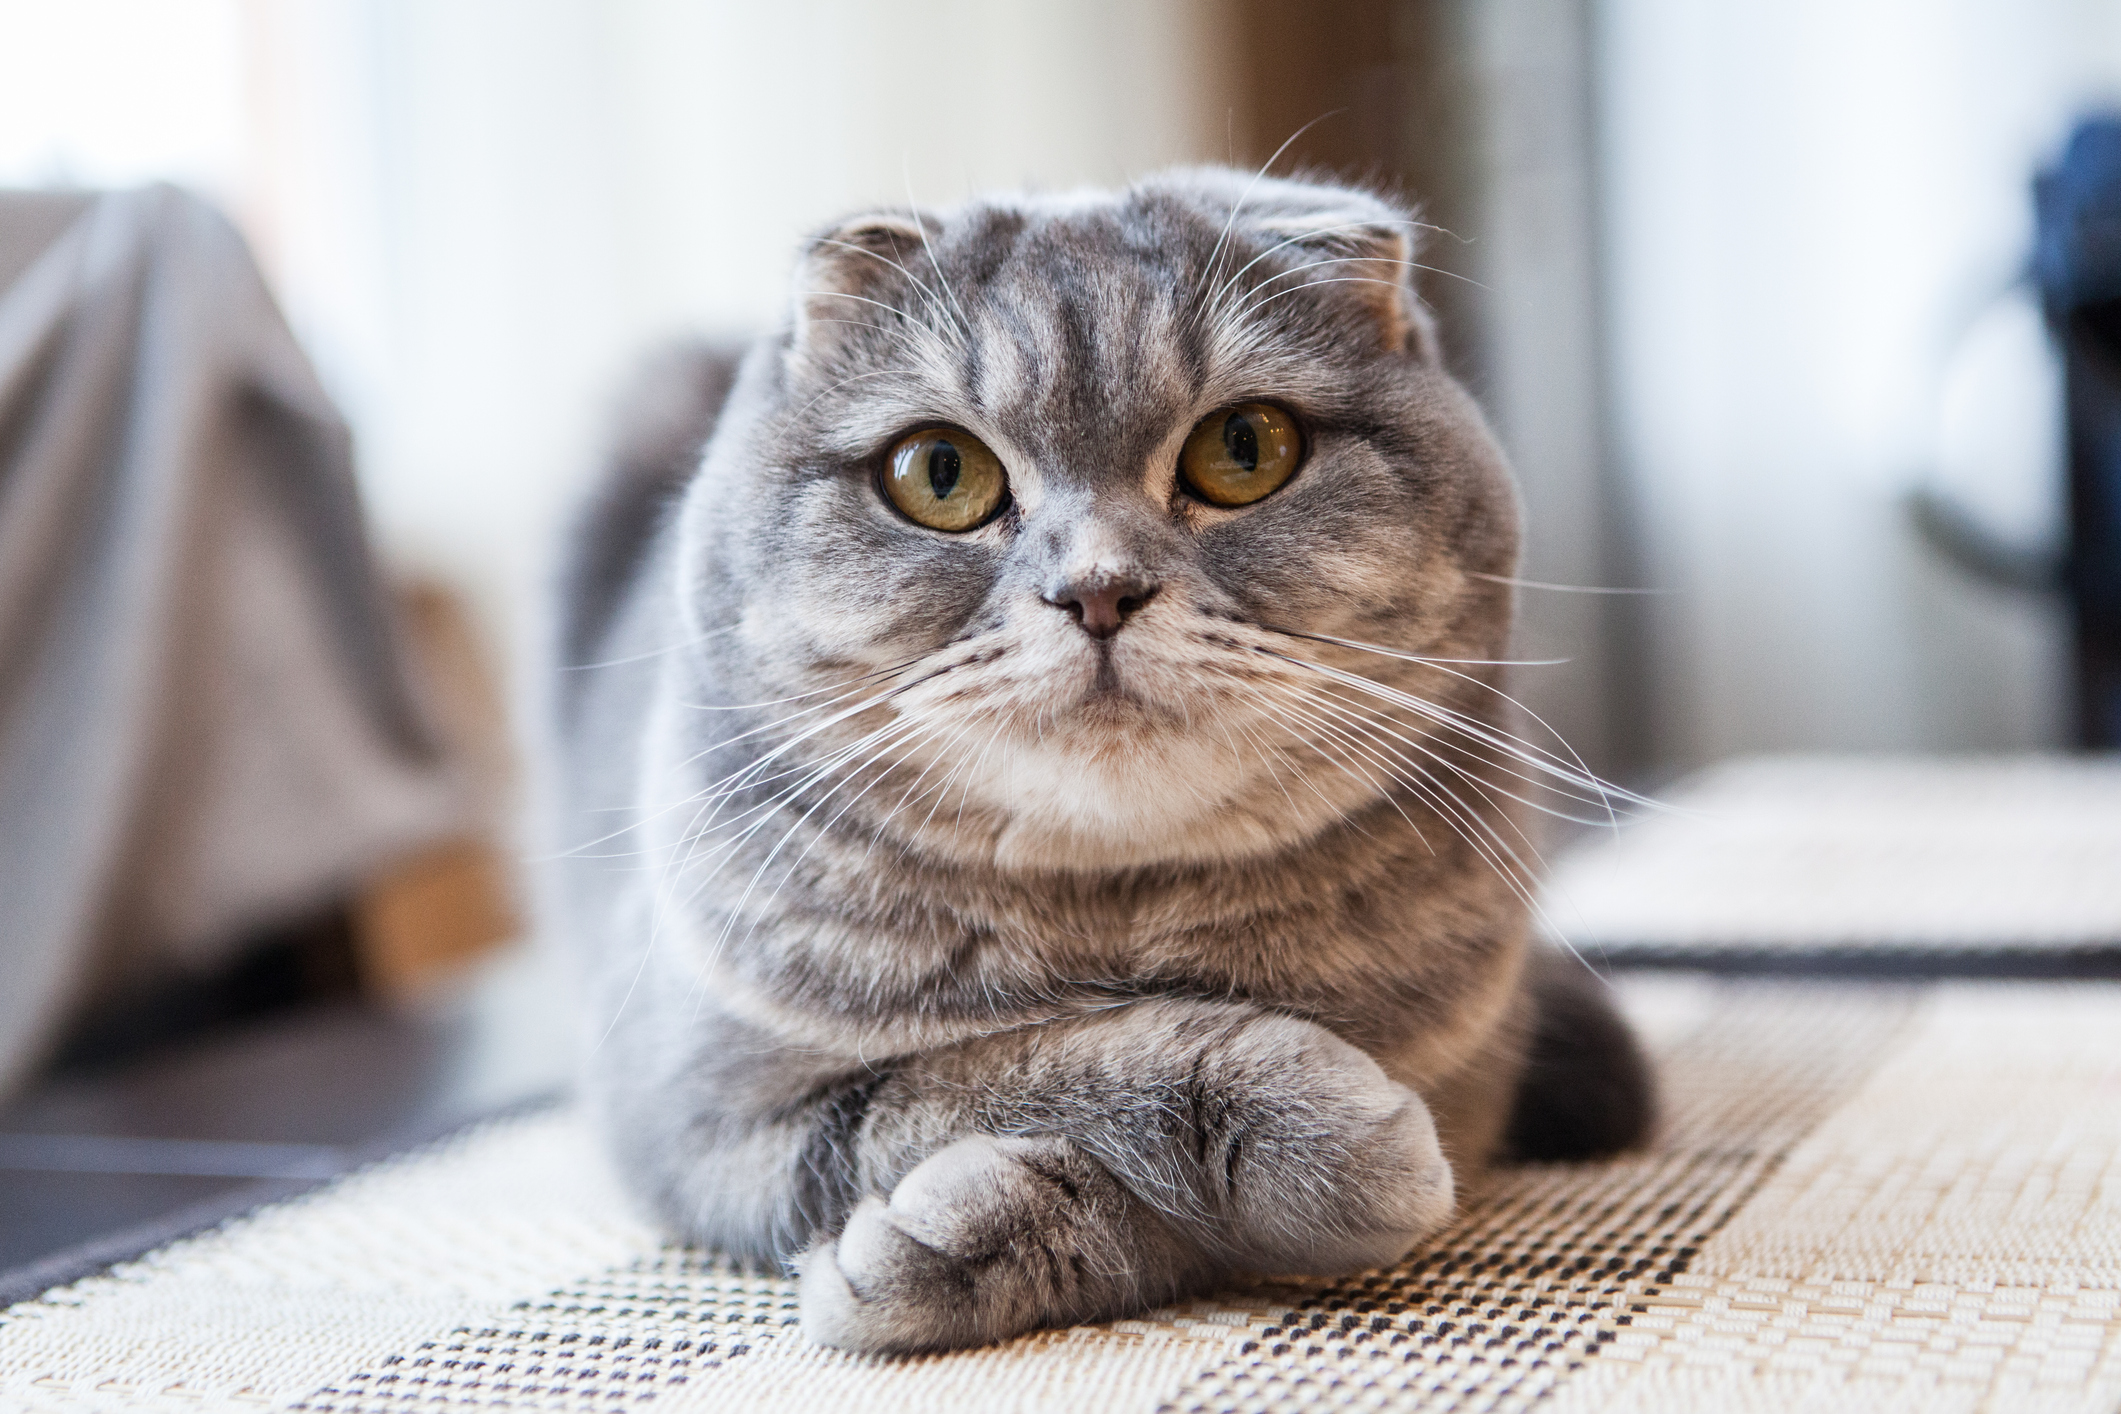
{"x":1035,"y":797}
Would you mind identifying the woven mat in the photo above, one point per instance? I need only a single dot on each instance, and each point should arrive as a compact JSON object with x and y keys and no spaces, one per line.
{"x":1811,"y":859}
{"x":1865,"y":1197}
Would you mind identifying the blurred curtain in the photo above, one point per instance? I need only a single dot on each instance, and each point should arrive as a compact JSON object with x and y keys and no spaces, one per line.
{"x":204,"y":727}
{"x":1480,"y":112}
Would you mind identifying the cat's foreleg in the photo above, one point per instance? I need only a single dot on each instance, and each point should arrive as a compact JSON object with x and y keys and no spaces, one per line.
{"x":1085,"y":1168}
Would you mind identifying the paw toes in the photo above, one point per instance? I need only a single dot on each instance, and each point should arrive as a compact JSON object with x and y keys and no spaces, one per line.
{"x":983,"y":1240}
{"x":879,"y":1291}
{"x":828,"y":1307}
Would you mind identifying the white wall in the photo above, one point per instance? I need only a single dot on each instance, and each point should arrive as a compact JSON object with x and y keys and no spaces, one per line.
{"x":478,"y":212}
{"x":113,"y":92}
{"x":1803,"y":202}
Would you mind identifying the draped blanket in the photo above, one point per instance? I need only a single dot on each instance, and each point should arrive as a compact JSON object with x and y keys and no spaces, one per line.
{"x":204,"y":723}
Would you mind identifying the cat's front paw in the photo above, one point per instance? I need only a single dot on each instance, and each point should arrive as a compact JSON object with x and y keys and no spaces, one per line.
{"x":985,"y":1239}
{"x":1326,"y":1164}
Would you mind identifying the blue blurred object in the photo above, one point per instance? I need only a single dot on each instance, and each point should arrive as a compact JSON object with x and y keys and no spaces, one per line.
{"x":2077,"y":264}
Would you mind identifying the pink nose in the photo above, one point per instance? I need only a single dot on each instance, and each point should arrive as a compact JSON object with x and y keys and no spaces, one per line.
{"x":1102,"y":607}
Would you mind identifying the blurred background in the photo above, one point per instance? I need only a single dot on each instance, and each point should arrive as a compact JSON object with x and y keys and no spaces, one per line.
{"x":1743,"y":288}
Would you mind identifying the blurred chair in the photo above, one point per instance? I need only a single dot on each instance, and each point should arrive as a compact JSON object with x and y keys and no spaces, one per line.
{"x":2076,"y":266}
{"x":207,"y":730}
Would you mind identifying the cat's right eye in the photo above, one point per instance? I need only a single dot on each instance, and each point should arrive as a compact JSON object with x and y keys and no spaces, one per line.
{"x":946,"y":479}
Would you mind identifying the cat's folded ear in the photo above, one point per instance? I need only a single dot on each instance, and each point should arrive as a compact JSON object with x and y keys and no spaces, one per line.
{"x":859,"y":278}
{"x":1367,"y":265}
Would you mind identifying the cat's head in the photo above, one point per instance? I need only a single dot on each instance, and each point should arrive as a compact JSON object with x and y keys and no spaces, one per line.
{"x":1065,"y":493}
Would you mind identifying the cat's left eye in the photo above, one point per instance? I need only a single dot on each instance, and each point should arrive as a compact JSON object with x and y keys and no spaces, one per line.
{"x":1241,"y":454}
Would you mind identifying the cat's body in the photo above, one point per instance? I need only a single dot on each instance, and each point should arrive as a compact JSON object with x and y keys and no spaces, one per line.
{"x":1028,"y":923}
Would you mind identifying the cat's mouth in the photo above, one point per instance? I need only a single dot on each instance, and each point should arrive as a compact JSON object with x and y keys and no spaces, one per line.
{"x":1110,"y":702}
{"x":1106,"y":684}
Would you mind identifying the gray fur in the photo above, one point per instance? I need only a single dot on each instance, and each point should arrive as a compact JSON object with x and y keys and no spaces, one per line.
{"x":999,"y":975}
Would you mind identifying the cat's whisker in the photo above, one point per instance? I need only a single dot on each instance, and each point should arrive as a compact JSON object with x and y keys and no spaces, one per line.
{"x":879,"y":739}
{"x":1560,"y":588}
{"x":906,"y":731}
{"x":929,"y":732}
{"x":941,"y":790}
{"x":964,"y":320}
{"x":1373,"y":728}
{"x":919,"y":731}
{"x":1269,"y":753}
{"x":802,"y":773}
{"x":664,"y":908}
{"x":645,"y":814}
{"x":757,"y":772}
{"x":1340,"y":811}
{"x":1405,"y":657}
{"x":913,"y":791}
{"x":1371,"y":725}
{"x":691,"y":642}
{"x":938,"y":348}
{"x":753,"y":776}
{"x":1471,"y":825}
{"x":844,"y":686}
{"x":1573,"y":772}
{"x":1435,"y":792}
{"x":852,"y":377}
{"x":1217,"y":298}
{"x":1237,"y":758}
{"x":1584,"y":775}
{"x":1222,"y":238}
{"x":922,"y":285}
{"x":1347,"y":748}
{"x":979,"y":764}
{"x":1553,"y":772}
{"x":1521,"y":875}
{"x":1431,"y":746}
{"x":961,"y":774}
{"x":642,"y":814}
{"x":935,"y":671}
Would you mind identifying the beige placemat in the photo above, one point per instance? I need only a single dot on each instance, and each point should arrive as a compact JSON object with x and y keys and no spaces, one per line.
{"x":1864,"y":1197}
{"x":1895,"y":855}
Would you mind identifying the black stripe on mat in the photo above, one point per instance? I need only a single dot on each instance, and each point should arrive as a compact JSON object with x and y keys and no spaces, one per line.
{"x":2094,"y":963}
{"x":1549,"y":1261}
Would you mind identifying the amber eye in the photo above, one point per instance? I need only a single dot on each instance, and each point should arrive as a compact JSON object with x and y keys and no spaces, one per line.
{"x":1239,"y":454}
{"x":946,"y":479}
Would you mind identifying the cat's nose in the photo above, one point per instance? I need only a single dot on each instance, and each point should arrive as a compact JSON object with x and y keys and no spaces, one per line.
{"x":1101,"y":604}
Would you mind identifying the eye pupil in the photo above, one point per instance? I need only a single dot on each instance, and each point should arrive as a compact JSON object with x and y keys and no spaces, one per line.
{"x":945,"y":466}
{"x":1241,"y":441}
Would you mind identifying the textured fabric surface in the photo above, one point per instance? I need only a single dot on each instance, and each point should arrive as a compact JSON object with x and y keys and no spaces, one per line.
{"x":203,"y":725}
{"x":1821,"y":854}
{"x":1863,"y":1197}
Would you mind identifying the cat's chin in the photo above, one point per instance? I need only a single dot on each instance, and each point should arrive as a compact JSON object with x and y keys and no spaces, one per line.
{"x":1045,"y":845}
{"x":1112,"y":786}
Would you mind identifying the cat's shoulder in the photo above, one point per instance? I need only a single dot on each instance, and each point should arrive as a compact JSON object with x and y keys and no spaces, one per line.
{"x":665,"y":415}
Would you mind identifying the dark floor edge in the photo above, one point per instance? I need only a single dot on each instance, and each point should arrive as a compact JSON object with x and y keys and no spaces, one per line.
{"x":1895,"y":964}
{"x":100,"y":1254}
{"x":27,"y":1283}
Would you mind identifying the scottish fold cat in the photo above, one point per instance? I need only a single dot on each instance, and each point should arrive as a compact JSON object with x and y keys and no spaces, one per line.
{"x":1034,"y":799}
